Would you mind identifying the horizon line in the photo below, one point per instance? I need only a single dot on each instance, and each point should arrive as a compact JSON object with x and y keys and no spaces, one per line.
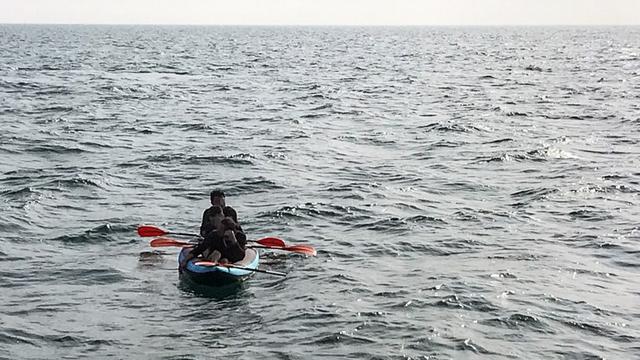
{"x":322,"y":25}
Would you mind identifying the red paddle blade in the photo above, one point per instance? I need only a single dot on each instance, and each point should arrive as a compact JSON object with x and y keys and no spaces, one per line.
{"x":271,"y":241}
{"x":302,"y":249}
{"x":166,"y":242}
{"x":149,"y":230}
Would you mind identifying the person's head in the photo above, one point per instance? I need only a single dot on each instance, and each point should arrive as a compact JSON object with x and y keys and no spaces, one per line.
{"x":228,"y":224}
{"x":231,"y":212}
{"x":217,"y":198}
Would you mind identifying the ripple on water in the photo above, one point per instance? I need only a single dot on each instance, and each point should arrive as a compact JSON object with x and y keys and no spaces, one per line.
{"x":18,"y":336}
{"x":475,"y":303}
{"x":101,"y":234}
{"x":518,"y":321}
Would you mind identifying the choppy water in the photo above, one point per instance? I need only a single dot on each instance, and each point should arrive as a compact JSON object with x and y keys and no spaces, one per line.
{"x":473,"y":193}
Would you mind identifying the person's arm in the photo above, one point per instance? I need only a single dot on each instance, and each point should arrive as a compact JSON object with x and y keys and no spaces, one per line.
{"x":198,"y":249}
{"x":205,"y":227}
{"x":241,"y":236}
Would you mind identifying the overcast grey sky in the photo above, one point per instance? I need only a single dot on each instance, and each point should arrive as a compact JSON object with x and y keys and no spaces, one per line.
{"x":324,"y":12}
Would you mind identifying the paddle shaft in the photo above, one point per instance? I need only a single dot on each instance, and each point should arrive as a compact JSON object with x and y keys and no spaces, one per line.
{"x":294,"y":248}
{"x":300,"y":249}
{"x":151,"y":230}
{"x":183,"y":234}
{"x":260,"y":241}
{"x":258,"y":270}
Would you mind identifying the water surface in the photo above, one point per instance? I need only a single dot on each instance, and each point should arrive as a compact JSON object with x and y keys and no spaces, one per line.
{"x":473,"y":192}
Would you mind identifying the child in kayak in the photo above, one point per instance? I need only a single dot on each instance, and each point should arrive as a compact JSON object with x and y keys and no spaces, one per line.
{"x":211,"y":216}
{"x":234,"y":240}
{"x":223,"y":238}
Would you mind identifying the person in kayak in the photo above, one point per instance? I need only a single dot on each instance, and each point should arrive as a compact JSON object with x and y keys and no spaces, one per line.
{"x":211,"y":216}
{"x":223,"y":238}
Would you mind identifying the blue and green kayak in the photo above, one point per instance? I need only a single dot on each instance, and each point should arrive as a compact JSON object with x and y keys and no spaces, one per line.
{"x":219,"y":275}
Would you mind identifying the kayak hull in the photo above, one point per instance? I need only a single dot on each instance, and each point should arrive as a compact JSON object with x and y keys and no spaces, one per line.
{"x":218,"y":275}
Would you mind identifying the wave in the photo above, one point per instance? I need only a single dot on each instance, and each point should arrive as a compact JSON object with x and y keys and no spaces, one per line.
{"x":590,"y":328}
{"x":310,"y":210}
{"x":498,"y":141}
{"x":133,"y":68}
{"x":73,"y":183}
{"x":235,"y":159}
{"x":450,"y":127}
{"x":56,"y":149}
{"x":340,"y":338}
{"x":538,"y":155}
{"x":100,"y":234}
{"x":437,"y":344}
{"x":536,"y":68}
{"x":339,"y":214}
{"x":590,"y":215}
{"x":346,"y":111}
{"x":57,"y":108}
{"x":516,"y":113}
{"x":534,"y":194}
{"x":19,"y":86}
{"x":403,"y":247}
{"x":321,"y":107}
{"x":221,"y":67}
{"x":252,"y":185}
{"x":200,"y":127}
{"x":54,"y":90}
{"x":607,"y":189}
{"x":140,"y":130}
{"x":398,"y":225}
{"x":96,"y":144}
{"x":85,"y":276}
{"x":23,"y":192}
{"x":468,"y":303}
{"x":314,"y":116}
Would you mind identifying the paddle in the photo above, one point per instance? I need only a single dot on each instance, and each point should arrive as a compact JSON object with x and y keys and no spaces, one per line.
{"x":270,"y":241}
{"x":300,"y":249}
{"x":166,"y":242}
{"x":210,"y":263}
{"x":150,"y":230}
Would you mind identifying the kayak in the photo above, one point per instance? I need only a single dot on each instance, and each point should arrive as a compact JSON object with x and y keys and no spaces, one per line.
{"x":219,"y":275}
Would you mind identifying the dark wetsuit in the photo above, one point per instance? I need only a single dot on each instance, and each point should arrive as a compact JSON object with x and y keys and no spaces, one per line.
{"x":209,"y":220}
{"x":213,"y":239}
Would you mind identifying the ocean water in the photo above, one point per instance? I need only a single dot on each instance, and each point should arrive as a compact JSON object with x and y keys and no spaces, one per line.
{"x":473,"y":193}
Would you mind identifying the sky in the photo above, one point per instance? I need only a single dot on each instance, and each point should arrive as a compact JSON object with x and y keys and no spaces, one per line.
{"x":323,"y":12}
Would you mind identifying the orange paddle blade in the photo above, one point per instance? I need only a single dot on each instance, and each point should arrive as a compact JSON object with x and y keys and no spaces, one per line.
{"x":271,"y":241}
{"x":302,"y":249}
{"x":166,"y":242}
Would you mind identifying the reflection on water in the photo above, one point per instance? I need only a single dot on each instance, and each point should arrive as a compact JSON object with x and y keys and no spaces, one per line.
{"x":233,"y":291}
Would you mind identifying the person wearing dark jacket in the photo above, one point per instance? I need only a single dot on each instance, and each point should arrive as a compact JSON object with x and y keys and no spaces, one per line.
{"x":223,"y":238}
{"x":211,"y":216}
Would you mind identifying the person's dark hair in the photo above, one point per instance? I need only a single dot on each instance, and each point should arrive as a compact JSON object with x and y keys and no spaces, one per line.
{"x":231,"y":212}
{"x":216,"y":193}
{"x":229,"y":224}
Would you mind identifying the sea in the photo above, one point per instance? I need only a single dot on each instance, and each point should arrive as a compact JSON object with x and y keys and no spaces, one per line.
{"x":472,"y":192}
